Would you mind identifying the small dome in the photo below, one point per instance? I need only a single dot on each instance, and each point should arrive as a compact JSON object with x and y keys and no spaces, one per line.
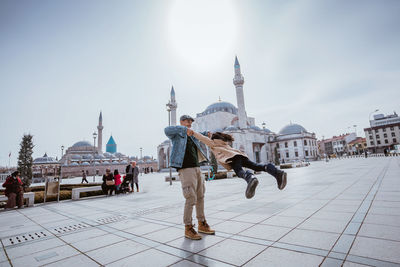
{"x":267,"y":130}
{"x":74,"y":164}
{"x":119,"y":155}
{"x":115,"y":163}
{"x":124,"y":162}
{"x":255,"y":128}
{"x":85,"y":163}
{"x":99,"y":156}
{"x":220,"y":106}
{"x":81,"y":144}
{"x":44,"y":159}
{"x":76,"y":157}
{"x":87,"y":156}
{"x":292,"y":129}
{"x":231,"y":128}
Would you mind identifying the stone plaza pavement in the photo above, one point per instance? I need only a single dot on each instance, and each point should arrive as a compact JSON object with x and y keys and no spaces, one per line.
{"x":343,"y":212}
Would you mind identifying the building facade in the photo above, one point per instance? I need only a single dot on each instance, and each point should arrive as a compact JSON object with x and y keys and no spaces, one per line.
{"x":383,"y":133}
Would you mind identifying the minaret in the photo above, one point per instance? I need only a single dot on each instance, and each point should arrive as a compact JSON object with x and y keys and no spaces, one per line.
{"x":238,"y":81}
{"x":172,"y":105}
{"x":100,"y":134}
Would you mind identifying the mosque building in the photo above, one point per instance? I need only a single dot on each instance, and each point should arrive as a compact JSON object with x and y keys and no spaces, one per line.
{"x":293,"y":142}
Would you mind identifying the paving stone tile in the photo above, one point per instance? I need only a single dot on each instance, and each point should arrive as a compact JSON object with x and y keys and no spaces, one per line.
{"x":204,"y":261}
{"x":377,"y":249}
{"x":82,"y":235}
{"x":145,"y":229}
{"x":384,"y":211}
{"x":116,"y":251}
{"x":233,"y":251}
{"x":232,"y":227}
{"x":186,"y":263}
{"x":188,"y":245}
{"x":352,"y":264}
{"x":284,"y":221}
{"x":165,"y":235}
{"x":267,"y":232}
{"x":380,"y":231}
{"x":330,"y":215}
{"x":32,"y":247}
{"x":281,"y":257}
{"x":323,"y":225}
{"x":5,"y":264}
{"x":80,"y":260}
{"x":97,"y":242}
{"x":47,"y":256}
{"x":390,"y":220}
{"x":150,"y":258}
{"x":311,"y":239}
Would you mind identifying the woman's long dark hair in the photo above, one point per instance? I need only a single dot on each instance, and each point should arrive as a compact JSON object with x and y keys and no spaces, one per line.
{"x":222,"y":136}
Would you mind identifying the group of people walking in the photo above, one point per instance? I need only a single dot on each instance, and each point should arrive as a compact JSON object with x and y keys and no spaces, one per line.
{"x":113,"y":182}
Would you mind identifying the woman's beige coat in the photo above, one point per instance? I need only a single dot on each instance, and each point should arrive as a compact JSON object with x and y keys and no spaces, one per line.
{"x":221,"y":150}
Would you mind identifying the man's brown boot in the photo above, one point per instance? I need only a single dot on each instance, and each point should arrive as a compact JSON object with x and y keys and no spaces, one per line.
{"x":205,"y":228}
{"x":191,"y":233}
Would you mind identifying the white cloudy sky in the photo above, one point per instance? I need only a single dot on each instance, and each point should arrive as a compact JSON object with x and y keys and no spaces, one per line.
{"x":323,"y":64}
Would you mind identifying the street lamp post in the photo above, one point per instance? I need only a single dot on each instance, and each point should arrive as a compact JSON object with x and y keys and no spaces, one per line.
{"x":169,"y":105}
{"x":141,"y":156}
{"x":373,"y":132}
{"x":94,"y":151}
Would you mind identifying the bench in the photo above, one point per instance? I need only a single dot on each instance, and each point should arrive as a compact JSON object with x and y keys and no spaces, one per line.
{"x":29,"y":195}
{"x":77,"y":191}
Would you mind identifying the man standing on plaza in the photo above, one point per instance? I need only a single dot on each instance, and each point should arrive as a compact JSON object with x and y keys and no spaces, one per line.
{"x":186,"y":156}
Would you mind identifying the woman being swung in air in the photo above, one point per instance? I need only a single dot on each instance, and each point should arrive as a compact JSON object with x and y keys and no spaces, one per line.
{"x":231,"y":158}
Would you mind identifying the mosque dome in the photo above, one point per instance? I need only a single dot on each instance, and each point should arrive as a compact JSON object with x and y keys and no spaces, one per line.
{"x":45,"y":159}
{"x":221,"y":106}
{"x":81,"y":144}
{"x":292,"y":129}
{"x":267,"y":130}
{"x":85,"y":163}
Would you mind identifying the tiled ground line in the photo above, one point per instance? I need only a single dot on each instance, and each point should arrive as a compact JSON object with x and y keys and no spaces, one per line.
{"x":371,"y":195}
{"x":277,"y":241}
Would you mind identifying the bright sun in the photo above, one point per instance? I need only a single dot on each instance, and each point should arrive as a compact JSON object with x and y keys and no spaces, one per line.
{"x":202,"y":32}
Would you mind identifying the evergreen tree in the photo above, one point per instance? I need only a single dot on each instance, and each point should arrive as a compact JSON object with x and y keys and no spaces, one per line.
{"x":276,"y":156}
{"x":25,"y":159}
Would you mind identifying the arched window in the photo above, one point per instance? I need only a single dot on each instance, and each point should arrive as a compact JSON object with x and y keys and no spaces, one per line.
{"x":305,"y":142}
{"x":286,"y":145}
{"x":295,"y":143}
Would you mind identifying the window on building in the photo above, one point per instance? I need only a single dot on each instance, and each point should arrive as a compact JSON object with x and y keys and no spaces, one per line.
{"x":392,"y":128}
{"x":286,"y":144}
{"x":377,"y":136}
{"x":369,"y":131}
{"x":287,"y":154}
{"x":277,"y":145}
{"x":370,"y":137}
{"x":393,"y":134}
{"x":378,"y":142}
{"x":305,"y":142}
{"x":372,"y":143}
{"x":386,"y":141}
{"x":306,"y":153}
{"x":385,"y":135}
{"x":384,"y":130}
{"x":295,"y":143}
{"x":296,"y":154}
{"x":394,"y":140}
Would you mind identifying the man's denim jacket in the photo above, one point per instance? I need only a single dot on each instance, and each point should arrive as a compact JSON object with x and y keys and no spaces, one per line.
{"x":178,"y":136}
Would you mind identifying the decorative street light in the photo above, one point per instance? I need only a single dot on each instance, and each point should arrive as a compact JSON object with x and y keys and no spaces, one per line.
{"x":62,"y":151}
{"x":169,"y":106}
{"x":94,"y":151}
{"x":141,"y":150}
{"x":373,"y":132}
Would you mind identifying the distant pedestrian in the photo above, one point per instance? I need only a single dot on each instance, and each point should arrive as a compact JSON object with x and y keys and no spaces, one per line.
{"x":151,"y":169}
{"x":84,"y":177}
{"x":117,"y":179}
{"x":108,"y":185}
{"x":14,"y":191}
